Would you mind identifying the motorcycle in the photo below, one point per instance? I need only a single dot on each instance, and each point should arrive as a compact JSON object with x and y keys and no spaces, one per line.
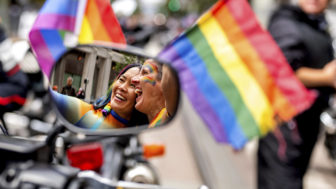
{"x":71,"y":156}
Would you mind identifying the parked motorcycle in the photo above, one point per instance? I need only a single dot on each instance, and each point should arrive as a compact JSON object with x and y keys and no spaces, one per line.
{"x":73,"y":156}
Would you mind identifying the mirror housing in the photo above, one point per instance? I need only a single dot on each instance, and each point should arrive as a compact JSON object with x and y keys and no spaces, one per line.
{"x":114,"y":81}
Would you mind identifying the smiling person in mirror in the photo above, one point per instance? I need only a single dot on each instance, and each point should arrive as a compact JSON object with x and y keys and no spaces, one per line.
{"x":114,"y":110}
{"x":151,"y":88}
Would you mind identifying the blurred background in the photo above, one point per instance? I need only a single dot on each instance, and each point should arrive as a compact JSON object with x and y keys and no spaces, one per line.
{"x":149,"y":24}
{"x":192,"y":156}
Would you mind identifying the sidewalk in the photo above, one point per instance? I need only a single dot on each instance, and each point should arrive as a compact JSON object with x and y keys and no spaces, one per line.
{"x":322,"y":172}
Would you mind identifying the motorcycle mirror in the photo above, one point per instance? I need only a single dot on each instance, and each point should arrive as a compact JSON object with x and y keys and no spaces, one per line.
{"x":108,"y":90}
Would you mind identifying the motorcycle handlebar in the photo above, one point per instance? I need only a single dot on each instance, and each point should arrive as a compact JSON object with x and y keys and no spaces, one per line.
{"x":92,"y":179}
{"x":28,"y":175}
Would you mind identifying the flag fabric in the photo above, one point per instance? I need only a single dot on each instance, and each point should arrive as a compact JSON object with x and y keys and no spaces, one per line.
{"x":235,"y":75}
{"x":72,"y":21}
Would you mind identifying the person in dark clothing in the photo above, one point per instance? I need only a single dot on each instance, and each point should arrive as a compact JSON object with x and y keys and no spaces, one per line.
{"x":81,"y":93}
{"x":301,"y":33}
{"x":68,"y":89}
{"x":13,"y":82}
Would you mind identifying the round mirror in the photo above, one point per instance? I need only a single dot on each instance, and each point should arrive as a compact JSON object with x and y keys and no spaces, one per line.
{"x":105,"y":90}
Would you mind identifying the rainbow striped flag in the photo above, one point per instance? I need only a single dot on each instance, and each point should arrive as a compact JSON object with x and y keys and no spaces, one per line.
{"x":63,"y":23}
{"x":235,"y":75}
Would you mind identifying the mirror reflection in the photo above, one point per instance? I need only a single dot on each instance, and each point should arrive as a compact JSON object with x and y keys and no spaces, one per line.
{"x":101,"y":88}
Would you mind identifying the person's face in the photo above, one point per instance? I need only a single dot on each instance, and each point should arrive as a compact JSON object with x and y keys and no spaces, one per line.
{"x":148,"y":88}
{"x":313,"y":6}
{"x":123,"y":93}
{"x":69,"y":81}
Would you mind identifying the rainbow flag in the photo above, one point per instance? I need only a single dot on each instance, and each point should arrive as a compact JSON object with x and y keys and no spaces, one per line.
{"x":235,"y":75}
{"x":63,"y":23}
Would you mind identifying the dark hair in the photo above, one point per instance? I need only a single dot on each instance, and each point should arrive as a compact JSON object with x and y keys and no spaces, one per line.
{"x":137,"y":118}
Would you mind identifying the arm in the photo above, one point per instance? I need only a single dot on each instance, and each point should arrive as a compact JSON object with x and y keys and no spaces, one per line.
{"x":287,"y":35}
{"x":71,"y":108}
{"x":318,"y":77}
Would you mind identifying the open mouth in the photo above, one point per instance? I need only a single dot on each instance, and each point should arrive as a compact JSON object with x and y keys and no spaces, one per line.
{"x":138,"y":92}
{"x":120,"y":97}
